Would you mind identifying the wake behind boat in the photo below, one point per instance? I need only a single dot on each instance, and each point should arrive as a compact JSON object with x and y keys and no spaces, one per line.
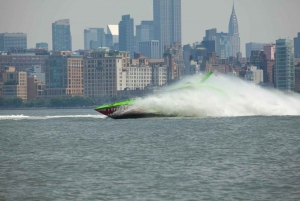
{"x":125,"y":109}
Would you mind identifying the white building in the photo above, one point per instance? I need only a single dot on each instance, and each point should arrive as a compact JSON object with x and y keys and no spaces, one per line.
{"x":106,"y":72}
{"x":192,"y":68}
{"x":254,"y":75}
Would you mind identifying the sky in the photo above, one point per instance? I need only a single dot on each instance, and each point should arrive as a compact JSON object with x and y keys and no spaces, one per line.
{"x":262,"y":21}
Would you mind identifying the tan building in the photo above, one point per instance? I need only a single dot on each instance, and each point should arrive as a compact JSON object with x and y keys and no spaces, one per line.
{"x":63,"y":75}
{"x":14,"y":84}
{"x":104,"y":72}
{"x":23,"y":61}
{"x":35,"y":88}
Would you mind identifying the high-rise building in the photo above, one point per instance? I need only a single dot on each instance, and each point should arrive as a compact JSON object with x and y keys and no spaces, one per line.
{"x":13,"y":40}
{"x":269,"y":50}
{"x":42,"y":45}
{"x":126,"y":34}
{"x":284,"y":67}
{"x":233,"y":34}
{"x":61,"y":36}
{"x":144,"y":32}
{"x":167,"y":22}
{"x":222,"y":42}
{"x":94,"y":38}
{"x":254,"y":46}
{"x":210,"y":34}
{"x":297,"y":46}
{"x":149,"y":49}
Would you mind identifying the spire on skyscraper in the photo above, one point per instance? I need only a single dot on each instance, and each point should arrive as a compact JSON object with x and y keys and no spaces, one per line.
{"x":233,"y":23}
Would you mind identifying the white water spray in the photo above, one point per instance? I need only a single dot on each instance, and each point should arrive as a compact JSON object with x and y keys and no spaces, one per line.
{"x":222,"y":96}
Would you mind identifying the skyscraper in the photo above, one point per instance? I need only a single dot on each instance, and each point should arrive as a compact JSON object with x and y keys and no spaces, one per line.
{"x":284,"y":67}
{"x":233,"y":34}
{"x":297,"y":46}
{"x":94,"y":38}
{"x":167,"y":22}
{"x":61,"y":35}
{"x":254,"y":46}
{"x":144,"y":32}
{"x":126,"y":36}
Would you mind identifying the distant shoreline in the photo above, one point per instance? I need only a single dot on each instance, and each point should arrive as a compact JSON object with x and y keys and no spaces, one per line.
{"x":48,"y":108}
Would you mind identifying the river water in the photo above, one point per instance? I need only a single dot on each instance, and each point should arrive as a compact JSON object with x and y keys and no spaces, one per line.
{"x":80,"y":155}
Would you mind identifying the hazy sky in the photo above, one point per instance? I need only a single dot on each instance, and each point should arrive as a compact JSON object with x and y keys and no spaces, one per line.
{"x":259,"y":20}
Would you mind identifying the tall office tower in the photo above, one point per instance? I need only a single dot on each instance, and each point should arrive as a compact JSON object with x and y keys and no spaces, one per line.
{"x":284,"y":67}
{"x":126,"y":36}
{"x":233,"y":34}
{"x":94,"y":38}
{"x":167,"y":22}
{"x":13,"y":40}
{"x":61,"y":36}
{"x":42,"y":45}
{"x":297,"y":46}
{"x":149,"y":48}
{"x":254,"y":46}
{"x":144,"y":32}
{"x":210,"y":34}
{"x":221,"y":44}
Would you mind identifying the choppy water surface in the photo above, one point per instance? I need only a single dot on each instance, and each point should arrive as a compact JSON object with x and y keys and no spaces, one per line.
{"x":79,"y":155}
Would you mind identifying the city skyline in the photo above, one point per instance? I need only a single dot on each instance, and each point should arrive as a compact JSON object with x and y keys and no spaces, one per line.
{"x":271,"y":20}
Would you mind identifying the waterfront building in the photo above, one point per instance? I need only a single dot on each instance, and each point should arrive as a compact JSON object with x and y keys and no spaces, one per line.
{"x":167,"y":22}
{"x":233,"y":34}
{"x":13,"y":40}
{"x":61,"y":36}
{"x":284,"y":67}
{"x":36,"y":70}
{"x":63,"y":75}
{"x":21,"y":61}
{"x":41,"y":45}
{"x":297,"y":46}
{"x":94,"y":38}
{"x":104,"y":72}
{"x":150,"y":48}
{"x":126,"y":34}
{"x":269,"y":50}
{"x":254,"y":75}
{"x":35,"y":88}
{"x":14,"y":84}
{"x":254,"y":46}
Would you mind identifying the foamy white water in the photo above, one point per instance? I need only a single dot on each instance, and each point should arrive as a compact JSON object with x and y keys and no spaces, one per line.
{"x":222,"y":96}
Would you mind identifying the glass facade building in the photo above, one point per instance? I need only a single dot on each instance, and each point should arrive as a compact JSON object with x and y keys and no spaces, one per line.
{"x":13,"y":40}
{"x":94,"y":38}
{"x":233,"y":34}
{"x":167,"y":22}
{"x":126,"y":35}
{"x":61,"y":36}
{"x":284,"y":68}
